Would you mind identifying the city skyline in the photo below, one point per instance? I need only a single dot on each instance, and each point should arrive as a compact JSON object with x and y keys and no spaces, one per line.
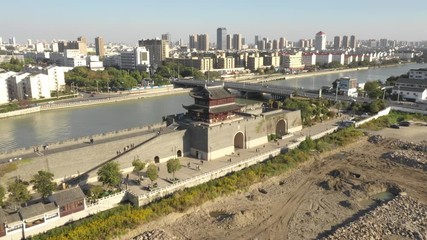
{"x":132,"y":21}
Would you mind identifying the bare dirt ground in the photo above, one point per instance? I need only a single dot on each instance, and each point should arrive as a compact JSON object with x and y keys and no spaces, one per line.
{"x":325,"y":194}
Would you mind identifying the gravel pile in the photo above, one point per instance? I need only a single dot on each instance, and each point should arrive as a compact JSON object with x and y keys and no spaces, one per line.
{"x":422,"y":146}
{"x":413,"y":159}
{"x":402,"y":216}
{"x":156,"y":234}
{"x":375,"y":139}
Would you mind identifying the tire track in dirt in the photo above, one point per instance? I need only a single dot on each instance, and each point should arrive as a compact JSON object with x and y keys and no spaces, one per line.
{"x":280,"y":216}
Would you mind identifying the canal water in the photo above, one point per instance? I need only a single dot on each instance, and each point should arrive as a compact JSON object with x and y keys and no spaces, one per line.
{"x":59,"y":125}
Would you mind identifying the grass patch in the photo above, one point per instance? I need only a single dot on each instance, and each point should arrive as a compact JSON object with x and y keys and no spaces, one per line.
{"x":117,"y":221}
{"x":392,"y":118}
{"x":7,"y":168}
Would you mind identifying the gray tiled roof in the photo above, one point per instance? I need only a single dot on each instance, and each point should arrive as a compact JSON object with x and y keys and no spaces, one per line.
{"x":409,"y":89}
{"x":412,"y":81}
{"x":2,"y":216}
{"x":216,"y":92}
{"x":13,"y":218}
{"x":68,"y":195}
{"x":32,"y":211}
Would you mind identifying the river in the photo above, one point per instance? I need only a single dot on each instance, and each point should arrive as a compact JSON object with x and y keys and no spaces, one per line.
{"x":59,"y":125}
{"x":362,"y":76}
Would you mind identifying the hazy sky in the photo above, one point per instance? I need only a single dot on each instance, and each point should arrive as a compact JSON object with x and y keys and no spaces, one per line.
{"x":127,"y":20}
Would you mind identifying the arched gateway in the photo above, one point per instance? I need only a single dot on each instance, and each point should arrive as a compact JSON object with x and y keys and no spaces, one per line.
{"x":239,"y":140}
{"x":280,"y":128}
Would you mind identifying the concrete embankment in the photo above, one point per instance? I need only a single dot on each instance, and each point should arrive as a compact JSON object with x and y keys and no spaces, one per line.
{"x":131,"y":96}
{"x":319,"y":73}
{"x":19,"y":112}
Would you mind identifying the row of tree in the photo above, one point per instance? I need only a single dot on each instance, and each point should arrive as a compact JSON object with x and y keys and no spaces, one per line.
{"x":18,"y":190}
{"x":111,"y":176}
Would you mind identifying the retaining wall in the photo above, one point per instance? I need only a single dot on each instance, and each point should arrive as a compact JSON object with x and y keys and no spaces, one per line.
{"x":20,"y":112}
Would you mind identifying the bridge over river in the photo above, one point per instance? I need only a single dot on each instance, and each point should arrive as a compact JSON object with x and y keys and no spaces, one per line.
{"x":277,"y":92}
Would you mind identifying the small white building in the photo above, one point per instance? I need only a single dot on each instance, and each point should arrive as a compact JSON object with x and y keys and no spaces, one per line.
{"x":411,"y":93}
{"x":35,"y":86}
{"x":4,"y":93}
{"x":418,"y":73}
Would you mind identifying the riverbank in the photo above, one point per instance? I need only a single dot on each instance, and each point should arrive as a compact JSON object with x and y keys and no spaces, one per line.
{"x":168,"y":90}
{"x":319,"y":73}
{"x":117,"y":97}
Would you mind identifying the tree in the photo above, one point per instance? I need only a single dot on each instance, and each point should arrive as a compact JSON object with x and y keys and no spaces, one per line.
{"x":96,"y":191}
{"x":173,"y":166}
{"x":373,"y":88}
{"x":2,"y":194}
{"x":138,"y":166}
{"x":152,"y":172}
{"x":18,"y":192}
{"x":110,"y":174}
{"x":43,"y":183}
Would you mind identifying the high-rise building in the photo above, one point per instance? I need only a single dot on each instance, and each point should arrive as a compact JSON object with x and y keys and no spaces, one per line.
{"x":134,"y":58}
{"x":29,"y":42}
{"x":320,"y":41}
{"x":383,"y":43}
{"x":237,"y":41}
{"x":282,"y":43}
{"x":229,"y":43}
{"x":12,"y":41}
{"x":275,"y":44}
{"x":192,"y":43}
{"x":99,"y":46}
{"x":166,"y":36}
{"x":80,"y":44}
{"x":337,"y":42}
{"x":158,"y":50}
{"x":203,"y":42}
{"x":1,"y":41}
{"x":353,"y":42}
{"x":257,"y":39}
{"x":345,"y":43}
{"x":221,"y":38}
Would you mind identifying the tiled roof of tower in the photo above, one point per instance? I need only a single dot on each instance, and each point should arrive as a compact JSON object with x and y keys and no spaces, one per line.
{"x":211,"y":92}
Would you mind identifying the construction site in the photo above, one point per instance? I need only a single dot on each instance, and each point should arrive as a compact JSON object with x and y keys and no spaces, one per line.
{"x":371,"y":189}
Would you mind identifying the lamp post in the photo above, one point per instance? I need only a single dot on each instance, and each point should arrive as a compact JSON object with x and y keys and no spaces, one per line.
{"x":398,"y":93}
{"x":336,"y":91}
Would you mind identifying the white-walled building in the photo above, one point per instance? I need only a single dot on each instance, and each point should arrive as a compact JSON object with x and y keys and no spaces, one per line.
{"x":338,"y":58}
{"x":39,"y":47}
{"x":15,"y":85}
{"x":135,"y":58}
{"x":320,"y":41}
{"x":309,"y":59}
{"x":347,"y":86}
{"x":255,"y":62}
{"x":292,"y":61}
{"x":56,"y":77}
{"x":323,"y":58}
{"x":418,"y":73}
{"x":4,"y":93}
{"x":35,"y":86}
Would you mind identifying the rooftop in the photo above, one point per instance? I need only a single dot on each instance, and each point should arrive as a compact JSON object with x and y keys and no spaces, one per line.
{"x":68,"y":195}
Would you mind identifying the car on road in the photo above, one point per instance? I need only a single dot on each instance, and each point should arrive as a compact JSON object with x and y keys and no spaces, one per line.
{"x":395,"y":126}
